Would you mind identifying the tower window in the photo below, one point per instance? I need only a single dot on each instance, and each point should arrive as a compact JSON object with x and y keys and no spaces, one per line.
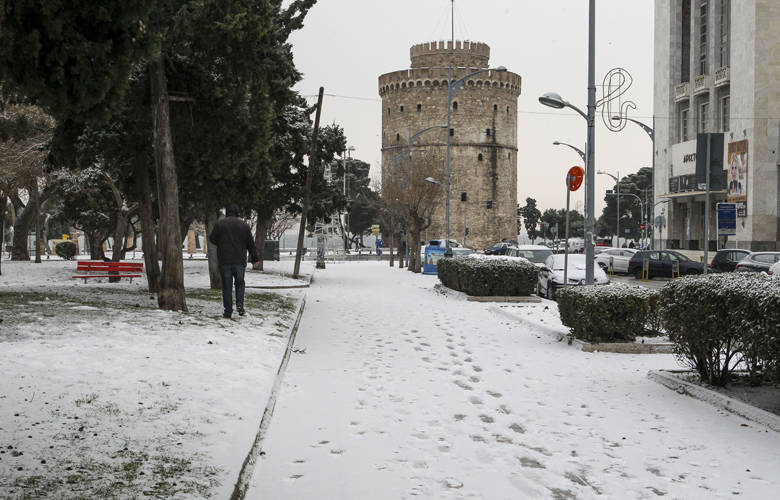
{"x":489,"y":204}
{"x":495,"y":107}
{"x":419,"y":108}
{"x":487,"y":132}
{"x":479,"y":157}
{"x":454,"y":104}
{"x":509,"y":156}
{"x":463,"y":196}
{"x":402,"y":108}
{"x":452,"y":132}
{"x":507,"y":111}
{"x":397,"y":137}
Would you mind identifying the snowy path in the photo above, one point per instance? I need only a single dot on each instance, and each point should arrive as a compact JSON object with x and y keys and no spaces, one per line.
{"x":404,"y":393}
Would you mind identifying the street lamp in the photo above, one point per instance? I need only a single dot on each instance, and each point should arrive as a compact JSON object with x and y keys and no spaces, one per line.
{"x":617,"y":183}
{"x":578,"y":150}
{"x":651,"y":133}
{"x":453,"y":87}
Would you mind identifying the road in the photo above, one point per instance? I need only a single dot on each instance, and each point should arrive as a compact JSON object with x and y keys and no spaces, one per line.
{"x":403,"y":392}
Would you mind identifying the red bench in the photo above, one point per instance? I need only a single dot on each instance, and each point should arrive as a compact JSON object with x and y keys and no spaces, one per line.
{"x":102,"y":269}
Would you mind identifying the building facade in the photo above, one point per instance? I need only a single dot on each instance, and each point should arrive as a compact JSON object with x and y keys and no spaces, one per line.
{"x":483,"y":150}
{"x":717,"y":70}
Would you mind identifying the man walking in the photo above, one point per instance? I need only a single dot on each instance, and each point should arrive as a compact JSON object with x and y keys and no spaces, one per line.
{"x":233,"y":239}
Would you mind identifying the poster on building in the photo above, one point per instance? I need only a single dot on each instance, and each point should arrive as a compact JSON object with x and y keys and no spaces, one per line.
{"x":737,"y":171}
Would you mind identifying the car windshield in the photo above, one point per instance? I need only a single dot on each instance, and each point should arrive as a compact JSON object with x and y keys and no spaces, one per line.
{"x":679,"y":256}
{"x":574,"y":261}
{"x":535,"y":255}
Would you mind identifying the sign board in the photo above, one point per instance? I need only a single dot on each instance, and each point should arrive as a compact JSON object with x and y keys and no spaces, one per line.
{"x":432,"y":255}
{"x":727,"y":219}
{"x":628,"y":231}
{"x":741,"y":209}
{"x":375,"y":229}
{"x":574,"y":178}
{"x":737,"y":171}
{"x":642,"y":227}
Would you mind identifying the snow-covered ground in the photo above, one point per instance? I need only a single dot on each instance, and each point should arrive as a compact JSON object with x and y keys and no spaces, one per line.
{"x":103,"y":395}
{"x":403,"y":392}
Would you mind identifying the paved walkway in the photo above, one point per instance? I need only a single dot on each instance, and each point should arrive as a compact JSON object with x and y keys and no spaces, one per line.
{"x":405,"y":393}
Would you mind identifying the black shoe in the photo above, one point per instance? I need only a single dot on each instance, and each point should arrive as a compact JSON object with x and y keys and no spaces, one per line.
{"x":241,"y":311}
{"x":227,"y":315}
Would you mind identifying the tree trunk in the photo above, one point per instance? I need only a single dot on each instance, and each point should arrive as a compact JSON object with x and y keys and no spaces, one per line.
{"x":215,"y":279}
{"x":171,"y":294}
{"x":96,"y":241}
{"x":24,"y":220}
{"x":148,"y":243}
{"x":415,"y":243}
{"x":120,"y":234}
{"x":3,"y":205}
{"x":35,"y":195}
{"x":260,"y":231}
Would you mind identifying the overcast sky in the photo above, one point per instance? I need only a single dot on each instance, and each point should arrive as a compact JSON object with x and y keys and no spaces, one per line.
{"x":346,"y":44}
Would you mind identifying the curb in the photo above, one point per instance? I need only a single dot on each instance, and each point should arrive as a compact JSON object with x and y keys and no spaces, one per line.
{"x":560,"y":334}
{"x":716,"y":399}
{"x":286,"y":287}
{"x":248,"y":467}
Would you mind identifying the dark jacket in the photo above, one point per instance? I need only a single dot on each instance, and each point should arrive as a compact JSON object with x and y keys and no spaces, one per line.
{"x":233,"y":239}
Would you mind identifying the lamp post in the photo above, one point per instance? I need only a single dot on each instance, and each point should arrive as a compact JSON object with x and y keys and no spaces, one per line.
{"x":617,"y":183}
{"x":641,"y":206}
{"x":453,"y":87}
{"x":555,"y":101}
{"x":651,"y":133}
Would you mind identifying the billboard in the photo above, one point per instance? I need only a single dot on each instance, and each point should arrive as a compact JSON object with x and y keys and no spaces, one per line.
{"x":715,"y":157}
{"x":737,"y":171}
{"x":727,"y":219}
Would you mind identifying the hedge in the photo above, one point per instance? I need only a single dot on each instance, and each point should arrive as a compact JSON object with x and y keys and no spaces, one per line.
{"x":717,"y":321}
{"x":606,"y":313}
{"x":66,"y":249}
{"x":481,"y":275}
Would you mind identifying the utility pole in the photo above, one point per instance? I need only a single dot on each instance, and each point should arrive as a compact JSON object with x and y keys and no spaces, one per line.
{"x":307,"y":190}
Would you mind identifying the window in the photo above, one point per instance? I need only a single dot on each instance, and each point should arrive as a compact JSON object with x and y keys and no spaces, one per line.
{"x":397,"y":137}
{"x":489,"y":205}
{"x":495,"y":107}
{"x":402,"y":108}
{"x":454,"y":104}
{"x":479,"y":157}
{"x":419,"y":108}
{"x":684,"y":125}
{"x":704,"y":108}
{"x":509,"y":156}
{"x":388,"y":111}
{"x":487,"y":132}
{"x":507,"y":111}
{"x":725,"y":27}
{"x":452,"y":132}
{"x":703,"y":8}
{"x":724,"y":113}
{"x":463,"y":196}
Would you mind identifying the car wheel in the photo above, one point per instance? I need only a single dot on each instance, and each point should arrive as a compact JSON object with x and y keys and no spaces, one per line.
{"x":691,"y":272}
{"x":638,"y":273}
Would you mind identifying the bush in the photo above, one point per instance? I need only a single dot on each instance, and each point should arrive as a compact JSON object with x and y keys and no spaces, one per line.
{"x":605,"y":313}
{"x":717,"y":321}
{"x":66,"y":249}
{"x":479,"y":275}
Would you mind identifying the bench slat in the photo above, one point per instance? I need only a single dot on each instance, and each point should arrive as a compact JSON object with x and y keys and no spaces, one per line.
{"x":99,"y":268}
{"x":109,"y":276}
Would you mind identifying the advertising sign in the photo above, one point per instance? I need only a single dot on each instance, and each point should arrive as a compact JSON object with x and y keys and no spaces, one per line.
{"x":738,"y":170}
{"x":727,"y":219}
{"x":432,"y":254}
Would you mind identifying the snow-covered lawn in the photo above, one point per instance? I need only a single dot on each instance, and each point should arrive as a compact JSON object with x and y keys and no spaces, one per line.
{"x":103,"y":395}
{"x":405,"y":392}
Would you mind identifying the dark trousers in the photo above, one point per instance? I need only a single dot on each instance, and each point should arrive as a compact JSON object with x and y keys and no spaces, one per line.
{"x":229,"y":273}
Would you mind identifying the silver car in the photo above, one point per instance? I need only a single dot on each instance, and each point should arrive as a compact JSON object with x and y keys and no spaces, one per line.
{"x":617,"y":257}
{"x":551,"y":274}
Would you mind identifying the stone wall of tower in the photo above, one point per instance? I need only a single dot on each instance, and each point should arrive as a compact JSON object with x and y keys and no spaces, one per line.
{"x":483,"y":145}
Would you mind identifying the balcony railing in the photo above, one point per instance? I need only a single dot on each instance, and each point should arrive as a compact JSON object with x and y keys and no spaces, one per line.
{"x":722,"y":76}
{"x":700,"y":85}
{"x":682,"y":91}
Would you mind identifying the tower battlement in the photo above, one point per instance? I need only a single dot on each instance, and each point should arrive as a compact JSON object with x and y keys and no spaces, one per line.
{"x":442,"y":54}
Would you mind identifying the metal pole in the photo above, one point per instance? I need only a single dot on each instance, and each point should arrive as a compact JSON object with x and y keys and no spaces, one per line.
{"x":590,"y":171}
{"x":566,"y":245}
{"x":618,"y":209}
{"x":447,"y":249}
{"x":652,"y":209}
{"x":707,"y":207}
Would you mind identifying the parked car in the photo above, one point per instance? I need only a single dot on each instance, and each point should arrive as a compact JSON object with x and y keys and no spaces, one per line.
{"x":662,"y":262}
{"x":726,"y":260}
{"x":757,"y":262}
{"x":619,"y":257}
{"x":535,"y":253}
{"x":500,"y":247}
{"x":551,"y":274}
{"x":775,"y":269}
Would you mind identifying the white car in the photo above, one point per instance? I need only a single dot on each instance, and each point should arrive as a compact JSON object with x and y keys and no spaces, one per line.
{"x":551,"y":274}
{"x":535,"y":253}
{"x":619,"y":258}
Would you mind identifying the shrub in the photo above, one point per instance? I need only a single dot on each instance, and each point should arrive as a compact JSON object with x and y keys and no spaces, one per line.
{"x":66,"y":249}
{"x":479,"y":275}
{"x":605,"y":313}
{"x":717,"y":321}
